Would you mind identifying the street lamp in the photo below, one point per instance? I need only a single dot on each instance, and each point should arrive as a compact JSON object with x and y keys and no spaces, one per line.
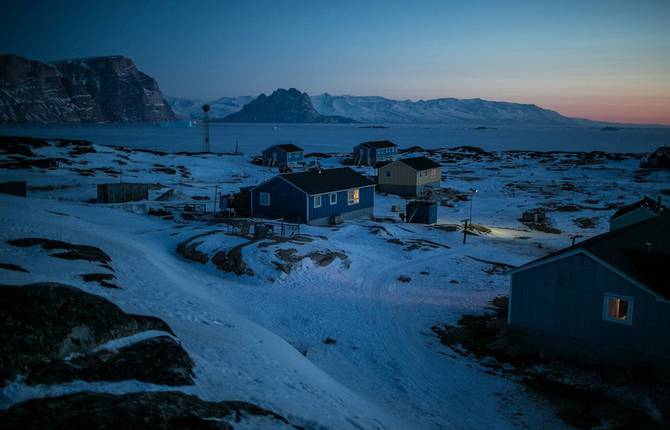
{"x":472,"y":197}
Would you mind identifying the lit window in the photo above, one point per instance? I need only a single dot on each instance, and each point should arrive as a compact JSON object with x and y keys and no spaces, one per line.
{"x":618,"y":309}
{"x":353,"y":197}
{"x":433,"y":172}
{"x":333,"y":198}
{"x":265,"y":199}
{"x":317,"y":201}
{"x":388,"y":173}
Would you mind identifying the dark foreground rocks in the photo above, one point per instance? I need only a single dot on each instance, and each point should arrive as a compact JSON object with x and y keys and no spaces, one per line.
{"x":67,"y":251}
{"x":49,"y":332}
{"x":146,"y":410}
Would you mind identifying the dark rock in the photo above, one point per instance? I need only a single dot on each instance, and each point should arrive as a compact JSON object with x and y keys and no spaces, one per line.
{"x":329,"y":341}
{"x":189,"y":250}
{"x":283,"y":106}
{"x":158,"y":360}
{"x":232,"y":261}
{"x":167,"y":410}
{"x":72,"y":251}
{"x":404,"y":279}
{"x":12,"y":267}
{"x":47,"y":321}
{"x":102,"y":89}
{"x":101,"y":278}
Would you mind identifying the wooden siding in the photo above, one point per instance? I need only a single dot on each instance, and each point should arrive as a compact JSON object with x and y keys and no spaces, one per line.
{"x":370,"y":156}
{"x":366,"y":200}
{"x":282,"y":156}
{"x":565,"y":298}
{"x":286,"y":201}
{"x":405,"y":180}
{"x":122,"y":192}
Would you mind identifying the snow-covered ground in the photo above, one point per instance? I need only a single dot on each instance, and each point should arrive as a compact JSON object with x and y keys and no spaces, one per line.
{"x":262,"y":337}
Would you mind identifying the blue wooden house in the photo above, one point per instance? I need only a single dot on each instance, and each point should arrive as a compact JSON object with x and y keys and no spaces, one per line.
{"x":638,"y":211}
{"x":606,"y":299}
{"x":315,"y":197}
{"x":371,"y":153}
{"x":287,"y":154}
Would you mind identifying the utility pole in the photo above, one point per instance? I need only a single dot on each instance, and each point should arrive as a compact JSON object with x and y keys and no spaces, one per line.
{"x":465,"y":230}
{"x":205,"y":129}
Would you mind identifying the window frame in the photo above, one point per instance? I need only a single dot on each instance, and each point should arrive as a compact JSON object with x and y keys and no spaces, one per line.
{"x":629,"y":312}
{"x":320,"y":197}
{"x":387,"y":173}
{"x":330,"y":198}
{"x":261,"y":195}
{"x":352,"y":201}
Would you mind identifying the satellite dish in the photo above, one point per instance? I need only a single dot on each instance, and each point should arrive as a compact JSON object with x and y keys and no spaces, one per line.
{"x":205,"y":108}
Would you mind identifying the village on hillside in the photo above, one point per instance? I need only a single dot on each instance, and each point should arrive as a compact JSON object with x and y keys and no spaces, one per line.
{"x":536,"y":270}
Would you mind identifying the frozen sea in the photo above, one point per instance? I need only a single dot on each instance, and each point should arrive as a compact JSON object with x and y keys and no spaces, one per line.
{"x":341,"y":137}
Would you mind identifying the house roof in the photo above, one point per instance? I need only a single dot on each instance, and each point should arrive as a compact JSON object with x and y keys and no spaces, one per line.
{"x":327,"y":180}
{"x":641,"y":251}
{"x":420,"y":163}
{"x":287,"y":147}
{"x":380,"y":144}
{"x":646,"y":202}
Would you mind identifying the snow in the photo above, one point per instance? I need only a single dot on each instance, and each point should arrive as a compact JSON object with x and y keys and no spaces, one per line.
{"x":261,"y":338}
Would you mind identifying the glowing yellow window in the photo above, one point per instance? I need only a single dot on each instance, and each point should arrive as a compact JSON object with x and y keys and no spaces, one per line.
{"x":618,"y":309}
{"x":353,"y":197}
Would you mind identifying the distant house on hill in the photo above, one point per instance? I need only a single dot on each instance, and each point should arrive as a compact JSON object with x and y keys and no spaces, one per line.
{"x":287,"y":154}
{"x":638,"y":211}
{"x":409,"y":176}
{"x":606,"y":299}
{"x":315,"y":197}
{"x":370,"y":153}
{"x":659,"y":158}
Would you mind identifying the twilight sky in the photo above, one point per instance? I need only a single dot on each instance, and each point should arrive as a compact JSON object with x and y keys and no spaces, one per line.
{"x":606,"y":59}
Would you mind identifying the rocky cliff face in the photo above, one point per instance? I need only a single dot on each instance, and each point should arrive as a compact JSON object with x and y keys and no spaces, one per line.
{"x":287,"y":106}
{"x":102,"y":89}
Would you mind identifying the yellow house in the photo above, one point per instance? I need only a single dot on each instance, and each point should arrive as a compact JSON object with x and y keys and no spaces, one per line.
{"x":409,"y":176}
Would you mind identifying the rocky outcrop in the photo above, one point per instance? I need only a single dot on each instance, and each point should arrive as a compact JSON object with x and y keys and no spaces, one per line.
{"x":101,"y":89}
{"x":44,"y":323}
{"x":283,"y":106}
{"x":147,"y":410}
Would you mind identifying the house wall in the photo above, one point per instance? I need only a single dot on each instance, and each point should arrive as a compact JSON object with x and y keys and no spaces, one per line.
{"x":317,"y":216}
{"x":432,"y":178}
{"x":282,"y":156}
{"x":286,"y":201}
{"x":369,"y":156}
{"x":559,"y":306}
{"x":405,"y":180}
{"x":632,"y":217}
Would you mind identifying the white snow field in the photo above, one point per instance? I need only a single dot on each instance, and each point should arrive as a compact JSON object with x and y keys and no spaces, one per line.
{"x":262,"y":337}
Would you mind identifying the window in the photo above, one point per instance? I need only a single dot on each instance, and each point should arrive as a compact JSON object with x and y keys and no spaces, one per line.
{"x":353,"y":197}
{"x":387,"y":173}
{"x":333,"y":198}
{"x":433,"y":172}
{"x":317,"y":201}
{"x":618,"y":309}
{"x":265,"y":199}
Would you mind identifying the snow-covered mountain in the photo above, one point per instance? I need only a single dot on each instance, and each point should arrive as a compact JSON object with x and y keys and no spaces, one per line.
{"x":375,"y":109}
{"x":219,"y":108}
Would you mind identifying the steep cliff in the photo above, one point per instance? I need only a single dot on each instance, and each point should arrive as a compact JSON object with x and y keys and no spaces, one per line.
{"x":101,"y":89}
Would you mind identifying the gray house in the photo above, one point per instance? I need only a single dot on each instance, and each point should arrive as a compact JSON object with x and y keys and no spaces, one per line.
{"x":371,"y":153}
{"x":606,"y":299}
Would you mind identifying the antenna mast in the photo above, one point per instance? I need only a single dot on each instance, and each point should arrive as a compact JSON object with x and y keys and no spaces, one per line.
{"x":205,"y":129}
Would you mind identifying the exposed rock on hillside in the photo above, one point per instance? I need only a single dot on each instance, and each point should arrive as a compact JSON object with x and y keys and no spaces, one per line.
{"x":101,"y":89}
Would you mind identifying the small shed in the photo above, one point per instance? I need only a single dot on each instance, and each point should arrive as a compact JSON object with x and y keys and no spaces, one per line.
{"x":283,"y":154}
{"x":604,"y":300}
{"x":371,"y":153}
{"x":14,"y":188}
{"x":421,"y":212}
{"x":122,"y":192}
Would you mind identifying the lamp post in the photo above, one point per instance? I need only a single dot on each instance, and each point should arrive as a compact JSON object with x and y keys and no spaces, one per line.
{"x":472,"y":197}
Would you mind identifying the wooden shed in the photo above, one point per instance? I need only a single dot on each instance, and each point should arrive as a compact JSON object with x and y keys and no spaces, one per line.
{"x":421,"y":212}
{"x":605,"y":300}
{"x":122,"y":192}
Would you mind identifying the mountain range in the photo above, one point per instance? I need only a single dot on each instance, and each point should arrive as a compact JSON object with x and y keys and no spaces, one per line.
{"x":100,"y":89}
{"x":379,"y":110}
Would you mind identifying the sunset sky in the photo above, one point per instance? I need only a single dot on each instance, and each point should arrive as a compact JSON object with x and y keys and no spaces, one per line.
{"x":606,"y":60}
